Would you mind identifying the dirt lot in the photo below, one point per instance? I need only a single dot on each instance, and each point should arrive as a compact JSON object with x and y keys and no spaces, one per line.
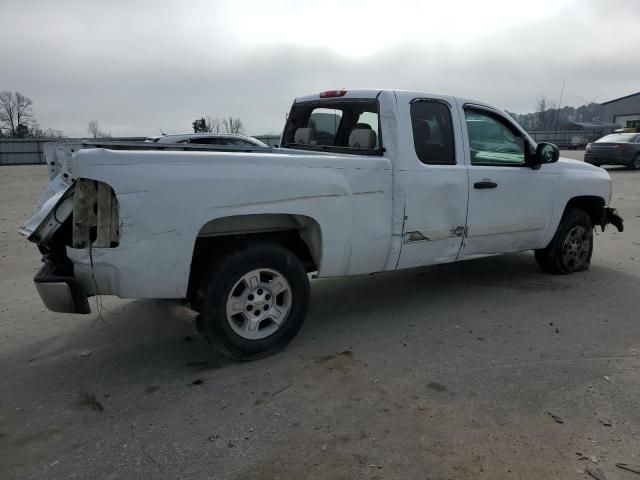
{"x":448,"y":372}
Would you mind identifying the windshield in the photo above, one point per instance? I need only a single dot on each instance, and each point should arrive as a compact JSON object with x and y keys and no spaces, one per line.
{"x":619,"y":138}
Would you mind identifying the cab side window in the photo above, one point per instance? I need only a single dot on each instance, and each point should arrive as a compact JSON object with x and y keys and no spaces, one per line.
{"x":432,"y":132}
{"x":492,"y":140}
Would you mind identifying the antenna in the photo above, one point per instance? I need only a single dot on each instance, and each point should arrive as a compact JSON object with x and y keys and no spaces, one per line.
{"x":163,"y":134}
{"x":559,"y":104}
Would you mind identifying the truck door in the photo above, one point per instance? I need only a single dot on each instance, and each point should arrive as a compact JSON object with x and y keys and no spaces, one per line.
{"x":433,"y":180}
{"x":510,"y":204}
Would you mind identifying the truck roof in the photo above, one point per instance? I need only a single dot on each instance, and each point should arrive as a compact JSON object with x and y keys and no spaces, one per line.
{"x":373,"y":93}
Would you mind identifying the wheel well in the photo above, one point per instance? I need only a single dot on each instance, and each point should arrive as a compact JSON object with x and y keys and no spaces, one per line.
{"x":593,"y":205}
{"x":299,"y":234}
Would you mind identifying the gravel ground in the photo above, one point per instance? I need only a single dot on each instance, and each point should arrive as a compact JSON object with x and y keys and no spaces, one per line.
{"x":461,"y":371}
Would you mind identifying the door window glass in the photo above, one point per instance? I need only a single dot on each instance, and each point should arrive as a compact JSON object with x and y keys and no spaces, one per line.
{"x":432,"y":132}
{"x":492,"y":141}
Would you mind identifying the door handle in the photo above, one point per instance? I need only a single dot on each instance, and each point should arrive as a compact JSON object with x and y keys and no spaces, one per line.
{"x":485,"y":184}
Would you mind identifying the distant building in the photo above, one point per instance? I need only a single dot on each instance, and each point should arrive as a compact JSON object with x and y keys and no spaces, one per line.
{"x":623,"y":111}
{"x":589,"y":130}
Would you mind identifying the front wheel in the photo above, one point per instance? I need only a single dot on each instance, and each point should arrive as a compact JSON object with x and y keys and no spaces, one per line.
{"x":571,"y":248}
{"x":635,"y":163}
{"x":256,"y":300}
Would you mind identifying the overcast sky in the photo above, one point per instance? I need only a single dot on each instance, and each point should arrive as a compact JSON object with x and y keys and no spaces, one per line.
{"x":139,"y":65}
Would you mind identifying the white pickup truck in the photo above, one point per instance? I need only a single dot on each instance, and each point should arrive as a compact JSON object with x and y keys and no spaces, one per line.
{"x":364,"y":181}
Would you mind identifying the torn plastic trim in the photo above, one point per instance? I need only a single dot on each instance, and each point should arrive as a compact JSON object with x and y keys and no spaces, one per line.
{"x":50,"y":216}
{"x":610,"y":216}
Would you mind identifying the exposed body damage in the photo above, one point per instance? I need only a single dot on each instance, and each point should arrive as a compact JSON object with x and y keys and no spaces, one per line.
{"x":158,"y":225}
{"x":142,"y":222}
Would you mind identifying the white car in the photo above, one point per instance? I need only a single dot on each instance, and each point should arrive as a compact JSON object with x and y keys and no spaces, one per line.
{"x":209,"y":139}
{"x":367,"y":181}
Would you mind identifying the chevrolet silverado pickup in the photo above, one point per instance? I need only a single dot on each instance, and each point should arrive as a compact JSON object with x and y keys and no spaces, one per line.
{"x":363,"y":181}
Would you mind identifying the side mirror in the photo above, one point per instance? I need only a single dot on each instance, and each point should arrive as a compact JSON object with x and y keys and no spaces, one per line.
{"x":546,"y":153}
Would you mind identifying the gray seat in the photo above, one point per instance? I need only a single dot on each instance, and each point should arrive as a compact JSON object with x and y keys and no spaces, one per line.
{"x":306,"y":136}
{"x":362,"y":138}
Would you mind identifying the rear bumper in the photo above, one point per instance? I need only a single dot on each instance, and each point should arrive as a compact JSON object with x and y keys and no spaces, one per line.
{"x":59,"y":290}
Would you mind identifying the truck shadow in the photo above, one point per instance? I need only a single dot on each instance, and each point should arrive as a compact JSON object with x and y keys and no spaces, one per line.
{"x":429,"y":295}
{"x":153,"y":343}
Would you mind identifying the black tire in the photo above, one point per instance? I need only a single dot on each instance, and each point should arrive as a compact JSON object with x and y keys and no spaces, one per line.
{"x":225,"y":273}
{"x":635,"y":163}
{"x":557,"y":258}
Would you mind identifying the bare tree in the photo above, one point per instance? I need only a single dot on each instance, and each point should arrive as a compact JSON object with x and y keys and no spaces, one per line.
{"x":232,"y":125}
{"x":49,"y":133}
{"x":210,"y":125}
{"x":546,"y":114}
{"x":15,"y":113}
{"x":95,"y":131}
{"x":213,"y":125}
{"x":540,"y":109}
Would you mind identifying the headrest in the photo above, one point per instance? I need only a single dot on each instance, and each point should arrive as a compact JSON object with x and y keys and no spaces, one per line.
{"x":362,"y":125}
{"x":362,"y":138}
{"x":305,"y":135}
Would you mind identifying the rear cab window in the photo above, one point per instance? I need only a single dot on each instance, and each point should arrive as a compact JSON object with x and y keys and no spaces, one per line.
{"x":344,"y":125}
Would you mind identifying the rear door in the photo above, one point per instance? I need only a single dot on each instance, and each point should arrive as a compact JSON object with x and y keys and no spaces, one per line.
{"x":510,"y":204}
{"x":433,"y":180}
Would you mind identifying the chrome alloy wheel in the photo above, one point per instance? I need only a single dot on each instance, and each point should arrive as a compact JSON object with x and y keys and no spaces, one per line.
{"x":576,"y":246}
{"x":259,"y":303}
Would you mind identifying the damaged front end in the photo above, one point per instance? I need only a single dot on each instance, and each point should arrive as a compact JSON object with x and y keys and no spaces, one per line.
{"x":610,"y":216}
{"x":80,"y":214}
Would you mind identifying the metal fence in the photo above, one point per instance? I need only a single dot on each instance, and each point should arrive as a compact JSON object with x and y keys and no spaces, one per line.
{"x":20,"y":151}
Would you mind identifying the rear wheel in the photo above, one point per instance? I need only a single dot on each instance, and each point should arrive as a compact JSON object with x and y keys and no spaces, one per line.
{"x":571,"y":248}
{"x":256,"y":301}
{"x":635,"y":163}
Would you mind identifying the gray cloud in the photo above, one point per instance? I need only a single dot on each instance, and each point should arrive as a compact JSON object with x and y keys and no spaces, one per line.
{"x":137,"y":66}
